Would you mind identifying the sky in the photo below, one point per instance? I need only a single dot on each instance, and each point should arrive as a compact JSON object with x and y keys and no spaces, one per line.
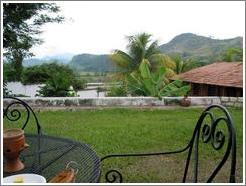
{"x":100,"y":27}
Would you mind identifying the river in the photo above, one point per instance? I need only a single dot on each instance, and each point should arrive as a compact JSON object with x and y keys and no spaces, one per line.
{"x":31,"y":90}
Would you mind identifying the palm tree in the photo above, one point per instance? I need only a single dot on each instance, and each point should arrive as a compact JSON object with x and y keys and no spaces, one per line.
{"x":233,"y":54}
{"x":140,"y":47}
{"x":182,"y":65}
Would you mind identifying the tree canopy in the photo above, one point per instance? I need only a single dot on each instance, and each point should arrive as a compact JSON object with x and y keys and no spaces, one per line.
{"x":22,"y":23}
{"x":233,"y":54}
{"x":21,"y":26}
{"x":139,"y":48}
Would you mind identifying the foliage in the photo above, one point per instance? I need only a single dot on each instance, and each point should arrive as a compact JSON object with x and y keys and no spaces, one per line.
{"x":182,"y":65}
{"x":21,"y":25}
{"x":58,"y":79}
{"x":78,"y":84}
{"x":37,"y":74}
{"x":58,"y":85}
{"x":115,"y":90}
{"x":139,"y":47}
{"x":6,"y":92}
{"x":9,"y":73}
{"x":147,"y":83}
{"x":44,"y":72}
{"x":40,"y":73}
{"x":233,"y":54}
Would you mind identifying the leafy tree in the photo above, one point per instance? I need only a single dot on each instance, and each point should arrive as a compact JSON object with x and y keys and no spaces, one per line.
{"x":233,"y":54}
{"x":36,"y":74}
{"x":21,"y":25}
{"x":8,"y":73}
{"x":45,"y":72}
{"x":41,"y":73}
{"x":182,"y":65}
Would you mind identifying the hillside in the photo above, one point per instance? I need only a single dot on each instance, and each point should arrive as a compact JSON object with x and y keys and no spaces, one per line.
{"x":188,"y":45}
{"x":61,"y":59}
{"x":204,"y":49}
{"x":92,"y":63}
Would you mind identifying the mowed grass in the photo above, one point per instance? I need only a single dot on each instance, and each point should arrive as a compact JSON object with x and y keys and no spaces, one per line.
{"x":122,"y":130}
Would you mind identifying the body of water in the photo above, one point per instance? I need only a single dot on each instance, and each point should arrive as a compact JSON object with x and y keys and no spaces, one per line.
{"x":31,"y":90}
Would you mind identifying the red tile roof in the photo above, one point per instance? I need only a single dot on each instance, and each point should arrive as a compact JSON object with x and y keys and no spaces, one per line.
{"x":221,"y":73}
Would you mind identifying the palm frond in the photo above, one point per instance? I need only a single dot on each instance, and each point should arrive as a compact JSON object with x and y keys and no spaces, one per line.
{"x":121,"y":59}
{"x":152,"y":49}
{"x":158,"y":60}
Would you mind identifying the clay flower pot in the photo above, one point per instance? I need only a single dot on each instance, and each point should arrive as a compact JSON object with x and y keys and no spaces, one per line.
{"x":185,"y":101}
{"x":13,"y":144}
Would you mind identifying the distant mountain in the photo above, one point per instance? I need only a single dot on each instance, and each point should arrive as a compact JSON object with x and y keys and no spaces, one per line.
{"x":61,"y":59}
{"x":92,"y":63}
{"x":188,"y":45}
{"x":204,"y":49}
{"x":65,"y":57}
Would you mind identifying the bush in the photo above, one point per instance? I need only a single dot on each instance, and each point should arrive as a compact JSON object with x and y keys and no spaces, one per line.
{"x":59,"y":80}
{"x":41,"y":73}
{"x":117,"y":91}
{"x":79,"y":84}
{"x":58,"y":85}
{"x":35,"y":75}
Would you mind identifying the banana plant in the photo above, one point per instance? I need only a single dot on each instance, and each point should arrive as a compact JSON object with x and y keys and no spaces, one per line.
{"x":146,"y":83}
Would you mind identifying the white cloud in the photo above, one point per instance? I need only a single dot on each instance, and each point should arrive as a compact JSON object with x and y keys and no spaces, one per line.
{"x":99,"y":27}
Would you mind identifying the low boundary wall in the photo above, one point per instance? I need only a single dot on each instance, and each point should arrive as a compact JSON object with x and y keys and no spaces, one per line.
{"x":127,"y":101}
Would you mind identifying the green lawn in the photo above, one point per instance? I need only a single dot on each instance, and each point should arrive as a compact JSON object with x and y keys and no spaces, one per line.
{"x":119,"y":130}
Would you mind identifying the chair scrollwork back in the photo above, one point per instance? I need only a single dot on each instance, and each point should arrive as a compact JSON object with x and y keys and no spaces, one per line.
{"x":205,"y":132}
{"x":14,"y":111}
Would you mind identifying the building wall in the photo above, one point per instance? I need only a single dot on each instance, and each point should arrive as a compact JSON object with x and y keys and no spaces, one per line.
{"x":214,"y":90}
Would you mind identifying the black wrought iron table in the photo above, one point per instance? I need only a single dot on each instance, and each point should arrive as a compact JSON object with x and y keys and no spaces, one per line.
{"x":47,"y":156}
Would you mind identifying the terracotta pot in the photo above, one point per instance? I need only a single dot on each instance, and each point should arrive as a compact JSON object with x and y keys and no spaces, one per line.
{"x":13,"y":144}
{"x":185,"y":101}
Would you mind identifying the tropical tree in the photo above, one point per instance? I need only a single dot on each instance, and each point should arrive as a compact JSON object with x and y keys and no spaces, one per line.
{"x":21,"y":25}
{"x":182,"y":65}
{"x":140,"y":47}
{"x":233,"y":54}
{"x":147,"y":83}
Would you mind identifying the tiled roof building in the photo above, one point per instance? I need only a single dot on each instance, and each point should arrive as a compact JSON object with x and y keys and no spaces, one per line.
{"x":217,"y":79}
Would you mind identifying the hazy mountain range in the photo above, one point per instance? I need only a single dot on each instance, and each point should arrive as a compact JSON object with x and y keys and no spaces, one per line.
{"x":188,"y":45}
{"x":63,"y":59}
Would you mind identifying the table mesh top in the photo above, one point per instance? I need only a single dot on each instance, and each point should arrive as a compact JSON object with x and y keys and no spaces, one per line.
{"x":53,"y":156}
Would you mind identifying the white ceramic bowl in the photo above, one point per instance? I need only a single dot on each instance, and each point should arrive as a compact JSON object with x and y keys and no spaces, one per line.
{"x":27,"y":178}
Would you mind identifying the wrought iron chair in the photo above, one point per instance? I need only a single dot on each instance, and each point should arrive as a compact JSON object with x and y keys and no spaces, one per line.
{"x":12,"y":112}
{"x":209,"y":132}
{"x":18,"y":111}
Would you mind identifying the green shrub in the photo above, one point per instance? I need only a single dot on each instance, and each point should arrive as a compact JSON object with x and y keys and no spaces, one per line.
{"x":147,"y":83}
{"x":35,"y":75}
{"x":117,"y":91}
{"x":58,"y":85}
{"x":41,"y":73}
{"x":79,"y":84}
{"x":59,"y":80}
